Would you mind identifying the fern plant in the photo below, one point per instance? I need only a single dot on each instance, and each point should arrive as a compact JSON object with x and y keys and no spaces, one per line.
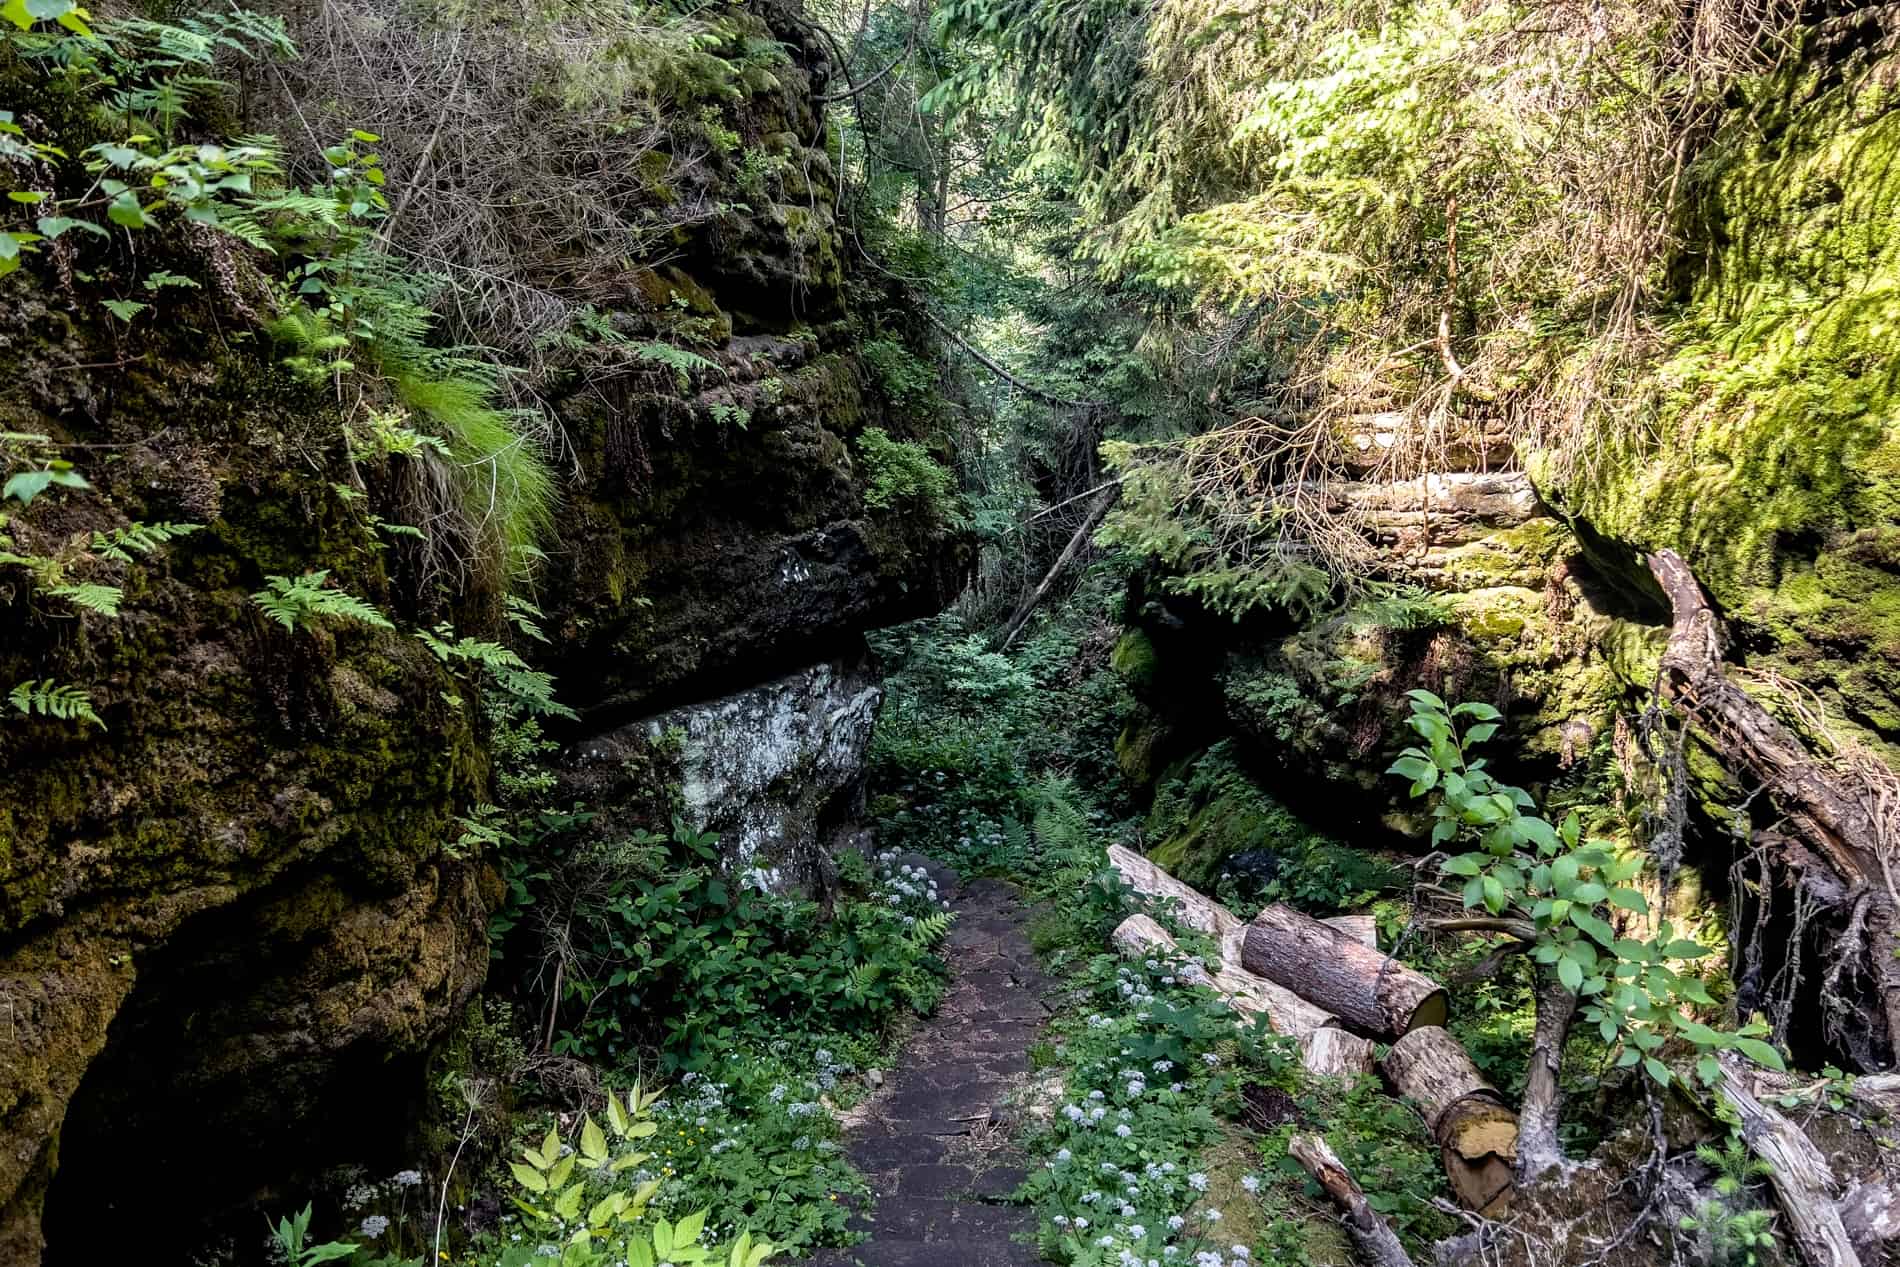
{"x":104,"y":599}
{"x":295,"y":603}
{"x":48,"y":698}
{"x":530,"y":688}
{"x":121,"y":544}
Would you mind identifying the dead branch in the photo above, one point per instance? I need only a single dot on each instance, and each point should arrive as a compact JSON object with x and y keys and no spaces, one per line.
{"x":1832,"y":813}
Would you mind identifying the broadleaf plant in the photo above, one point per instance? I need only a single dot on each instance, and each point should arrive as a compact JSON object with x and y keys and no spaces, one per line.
{"x":1551,"y":887}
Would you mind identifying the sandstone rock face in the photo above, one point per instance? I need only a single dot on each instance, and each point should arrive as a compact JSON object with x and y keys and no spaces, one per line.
{"x":771,"y":768}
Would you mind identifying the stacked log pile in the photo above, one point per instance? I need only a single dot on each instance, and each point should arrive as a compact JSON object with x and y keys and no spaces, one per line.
{"x":1326,"y":984}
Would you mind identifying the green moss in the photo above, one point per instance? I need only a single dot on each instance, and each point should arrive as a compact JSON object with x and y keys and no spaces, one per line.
{"x":1770,"y":454}
{"x":1134,"y":658}
{"x":1498,"y":615}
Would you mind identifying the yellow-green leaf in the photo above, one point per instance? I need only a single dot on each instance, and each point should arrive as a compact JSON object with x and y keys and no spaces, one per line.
{"x":528,"y":1177}
{"x":593,"y":1143}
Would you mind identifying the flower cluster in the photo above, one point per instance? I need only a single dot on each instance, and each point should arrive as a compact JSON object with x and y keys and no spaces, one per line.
{"x":1121,"y":1185}
{"x":906,"y":887}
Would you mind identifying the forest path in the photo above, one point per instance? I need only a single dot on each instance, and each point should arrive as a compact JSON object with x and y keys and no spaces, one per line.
{"x":934,"y":1143}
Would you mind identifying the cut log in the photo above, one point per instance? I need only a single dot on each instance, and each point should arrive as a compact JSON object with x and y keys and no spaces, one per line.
{"x":1803,"y":1183}
{"x":1370,"y":992}
{"x":1361,"y":928}
{"x":1140,"y":937}
{"x":1475,"y":1130}
{"x":1377,"y":1244}
{"x":1332,"y":1052}
{"x":1202,"y":914}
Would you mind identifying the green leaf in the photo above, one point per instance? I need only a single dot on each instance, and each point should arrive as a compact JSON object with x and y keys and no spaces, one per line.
{"x":593,"y":1142}
{"x":1657,"y":1070}
{"x":1629,"y":900}
{"x":125,"y":309}
{"x":1480,"y":733}
{"x":528,"y":1177}
{"x":1570,"y":973}
{"x":1597,"y":928}
{"x":126,"y":212}
{"x":1761,"y":1053}
{"x":1465,"y":864}
{"x":1493,"y":893}
{"x":1683,"y":948}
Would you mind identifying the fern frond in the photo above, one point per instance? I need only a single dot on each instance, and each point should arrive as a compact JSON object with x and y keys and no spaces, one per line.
{"x":104,"y":599}
{"x":121,"y":544}
{"x":929,"y":929}
{"x":292,"y":603}
{"x":52,"y":699}
{"x":531,"y":688}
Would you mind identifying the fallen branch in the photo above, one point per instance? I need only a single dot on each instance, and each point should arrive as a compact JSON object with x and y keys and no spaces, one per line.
{"x":1028,"y":389}
{"x":1823,"y":809}
{"x":1378,"y":1245}
{"x":1803,"y":1183}
{"x":1103,"y":501}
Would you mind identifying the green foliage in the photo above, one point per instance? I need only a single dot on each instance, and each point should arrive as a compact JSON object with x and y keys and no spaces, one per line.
{"x":121,"y":544}
{"x":1740,"y":1234}
{"x":295,"y":603}
{"x":695,"y":962}
{"x":1562,"y":890}
{"x":906,"y":380}
{"x":291,"y":1237}
{"x":901,"y":475}
{"x":24,"y":486}
{"x":582,"y":1197}
{"x":531,"y":689}
{"x":1141,"y":1069}
{"x":53,"y":699}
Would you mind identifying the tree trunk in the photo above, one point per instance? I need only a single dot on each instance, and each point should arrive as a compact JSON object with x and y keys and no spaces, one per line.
{"x":1475,"y":1130}
{"x":1378,"y":1245}
{"x":1370,"y":992}
{"x":1802,"y":1180}
{"x":1538,"y":1147}
{"x":1830,"y":812}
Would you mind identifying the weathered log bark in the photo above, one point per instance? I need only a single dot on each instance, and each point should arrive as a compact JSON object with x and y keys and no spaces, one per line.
{"x":1475,"y":1130}
{"x":1332,"y":1052}
{"x":1538,"y":1147}
{"x":1200,"y":913}
{"x":1823,"y":809}
{"x":1803,"y":1183}
{"x":1370,"y":992}
{"x":1361,"y":928}
{"x":1377,"y":1244}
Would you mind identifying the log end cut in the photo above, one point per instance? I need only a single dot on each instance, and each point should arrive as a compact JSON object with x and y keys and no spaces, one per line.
{"x":1431,"y":1013}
